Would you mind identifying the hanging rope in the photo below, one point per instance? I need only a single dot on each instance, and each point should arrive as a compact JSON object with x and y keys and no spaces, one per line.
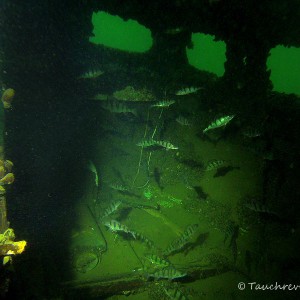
{"x":98,"y":226}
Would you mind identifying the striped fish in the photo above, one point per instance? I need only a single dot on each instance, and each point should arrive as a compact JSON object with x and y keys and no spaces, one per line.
{"x":174,"y":246}
{"x":144,"y":239}
{"x":188,"y":90}
{"x":189,"y":231}
{"x":182,"y":240}
{"x":146,"y":143}
{"x":163,"y":103}
{"x":91,"y":74}
{"x":111,"y":208}
{"x":221,"y":122}
{"x":260,"y":208}
{"x":174,"y":293}
{"x":167,"y":273}
{"x":166,"y":145}
{"x":116,"y":226}
{"x":157,"y":261}
{"x":118,"y":107}
{"x":183,"y":121}
{"x":215,"y":164}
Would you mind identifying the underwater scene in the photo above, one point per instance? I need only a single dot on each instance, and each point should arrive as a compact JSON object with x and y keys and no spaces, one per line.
{"x":170,"y":207}
{"x":149,"y":158}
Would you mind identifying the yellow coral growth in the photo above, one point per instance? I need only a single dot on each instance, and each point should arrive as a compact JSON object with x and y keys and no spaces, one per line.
{"x":2,"y":171}
{"x":20,"y":246}
{"x":7,"y":179}
{"x":131,"y":94}
{"x":2,"y":190}
{"x":12,"y":248}
{"x":7,"y":97}
{"x":8,"y":165}
{"x":6,"y":259}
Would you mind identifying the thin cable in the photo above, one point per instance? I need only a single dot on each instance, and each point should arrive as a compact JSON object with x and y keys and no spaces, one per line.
{"x":100,"y":230}
{"x":141,"y":153}
{"x":136,"y":254}
{"x":142,"y":149}
{"x":162,"y":109}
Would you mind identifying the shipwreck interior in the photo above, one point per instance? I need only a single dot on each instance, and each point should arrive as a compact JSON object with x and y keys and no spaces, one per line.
{"x":199,"y":170}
